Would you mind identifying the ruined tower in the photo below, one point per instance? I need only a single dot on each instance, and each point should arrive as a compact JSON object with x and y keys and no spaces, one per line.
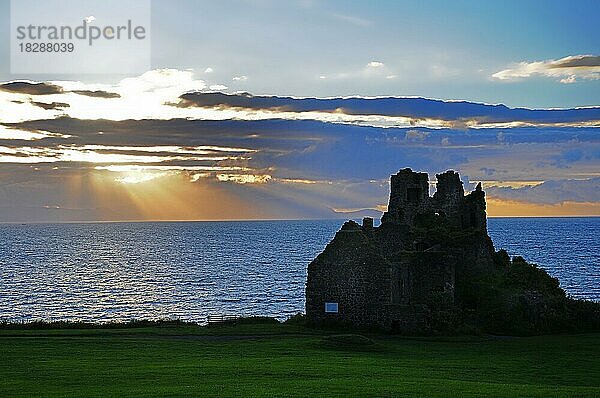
{"x":409,"y":196}
{"x":397,"y":275}
{"x":431,"y":267}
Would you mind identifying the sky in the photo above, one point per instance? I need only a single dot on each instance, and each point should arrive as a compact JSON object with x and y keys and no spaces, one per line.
{"x":302,"y":109}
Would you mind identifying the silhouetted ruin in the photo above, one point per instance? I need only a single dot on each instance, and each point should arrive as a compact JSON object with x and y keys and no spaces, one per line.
{"x":430,"y":266}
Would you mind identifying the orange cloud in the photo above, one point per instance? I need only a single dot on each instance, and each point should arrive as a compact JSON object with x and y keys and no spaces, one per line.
{"x":513,"y":208}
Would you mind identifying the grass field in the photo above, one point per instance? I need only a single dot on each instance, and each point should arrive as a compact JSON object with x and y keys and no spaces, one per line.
{"x":287,"y":360}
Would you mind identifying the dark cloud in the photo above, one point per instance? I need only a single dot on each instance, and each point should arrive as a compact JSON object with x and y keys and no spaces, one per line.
{"x":44,"y":88}
{"x":270,"y":134}
{"x":552,"y":192}
{"x":51,"y":105}
{"x":307,"y":149}
{"x":96,"y":93}
{"x":584,"y":61}
{"x":568,"y":69}
{"x":416,"y":108}
{"x":347,"y":165}
{"x":31,"y":88}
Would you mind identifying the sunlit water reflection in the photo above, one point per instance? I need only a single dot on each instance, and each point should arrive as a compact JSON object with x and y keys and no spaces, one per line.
{"x":122,"y":271}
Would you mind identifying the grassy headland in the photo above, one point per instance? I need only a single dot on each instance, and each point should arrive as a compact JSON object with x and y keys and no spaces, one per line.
{"x":271,"y":359}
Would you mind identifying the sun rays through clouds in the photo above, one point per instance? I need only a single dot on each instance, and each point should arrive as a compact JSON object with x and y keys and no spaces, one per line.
{"x":164,"y":145}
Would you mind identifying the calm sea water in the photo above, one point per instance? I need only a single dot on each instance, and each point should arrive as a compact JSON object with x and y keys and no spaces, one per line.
{"x":122,"y":271}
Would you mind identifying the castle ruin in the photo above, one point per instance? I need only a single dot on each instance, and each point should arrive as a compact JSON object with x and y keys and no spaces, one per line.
{"x":405,"y":273}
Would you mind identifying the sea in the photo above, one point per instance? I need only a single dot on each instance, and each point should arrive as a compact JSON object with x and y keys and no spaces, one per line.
{"x":101,"y":272}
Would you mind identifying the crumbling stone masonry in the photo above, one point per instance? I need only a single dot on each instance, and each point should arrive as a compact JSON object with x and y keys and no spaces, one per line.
{"x":405,"y":273}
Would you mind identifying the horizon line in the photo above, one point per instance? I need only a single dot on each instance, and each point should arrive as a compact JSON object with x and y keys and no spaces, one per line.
{"x":246,"y":220}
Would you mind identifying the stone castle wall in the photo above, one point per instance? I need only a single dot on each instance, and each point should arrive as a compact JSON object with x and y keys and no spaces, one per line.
{"x":390,"y":276}
{"x":350,"y":274}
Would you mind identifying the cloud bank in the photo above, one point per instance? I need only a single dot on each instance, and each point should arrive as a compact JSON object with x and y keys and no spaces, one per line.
{"x":568,"y":69}
{"x":161,"y":146}
{"x":31,"y":88}
{"x":415,"y":109}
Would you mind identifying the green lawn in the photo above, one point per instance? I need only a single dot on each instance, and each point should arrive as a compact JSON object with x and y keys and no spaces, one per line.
{"x":286,"y":360}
